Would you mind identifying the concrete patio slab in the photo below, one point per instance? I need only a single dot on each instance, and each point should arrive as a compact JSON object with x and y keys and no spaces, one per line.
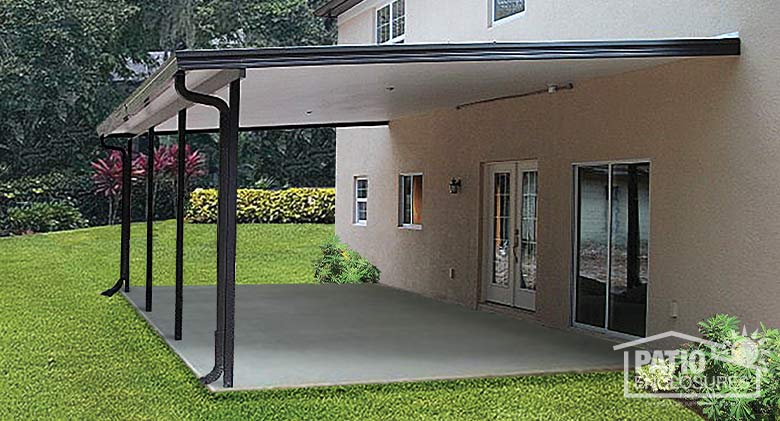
{"x":317,"y":335}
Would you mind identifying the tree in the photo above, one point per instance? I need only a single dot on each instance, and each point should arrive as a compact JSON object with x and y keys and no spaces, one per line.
{"x":299,"y":158}
{"x":57,"y":59}
{"x":64,"y":67}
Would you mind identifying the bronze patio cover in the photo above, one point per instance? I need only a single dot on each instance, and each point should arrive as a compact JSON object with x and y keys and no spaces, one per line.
{"x":227,"y":91}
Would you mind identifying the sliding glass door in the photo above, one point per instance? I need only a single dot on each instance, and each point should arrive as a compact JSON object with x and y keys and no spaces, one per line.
{"x":612,"y":246}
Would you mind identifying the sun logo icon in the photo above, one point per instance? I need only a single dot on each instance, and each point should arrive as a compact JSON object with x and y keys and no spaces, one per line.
{"x":746,"y":351}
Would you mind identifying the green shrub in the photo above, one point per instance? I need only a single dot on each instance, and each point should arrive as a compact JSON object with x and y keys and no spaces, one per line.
{"x":658,"y":375}
{"x":44,"y":217}
{"x":299,"y":205}
{"x":765,"y":343}
{"x":74,"y":188}
{"x":341,"y":265}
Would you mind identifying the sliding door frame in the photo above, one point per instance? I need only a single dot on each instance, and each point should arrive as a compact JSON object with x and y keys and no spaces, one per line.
{"x":575,"y":246}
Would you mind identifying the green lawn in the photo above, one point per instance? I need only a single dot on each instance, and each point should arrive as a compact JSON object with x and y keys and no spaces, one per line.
{"x":68,"y":353}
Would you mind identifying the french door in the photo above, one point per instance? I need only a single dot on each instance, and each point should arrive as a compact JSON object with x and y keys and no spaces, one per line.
{"x":612,"y":225}
{"x":509,"y":266}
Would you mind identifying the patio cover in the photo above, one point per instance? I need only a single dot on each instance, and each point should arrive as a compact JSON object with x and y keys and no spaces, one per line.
{"x":336,"y":86}
{"x":370,"y":85}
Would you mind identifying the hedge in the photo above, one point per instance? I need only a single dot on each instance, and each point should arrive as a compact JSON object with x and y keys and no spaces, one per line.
{"x":42,"y":217}
{"x":78,"y":189}
{"x":298,"y":206}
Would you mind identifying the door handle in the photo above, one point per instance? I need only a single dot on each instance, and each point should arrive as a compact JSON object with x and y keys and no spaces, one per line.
{"x":516,"y":244}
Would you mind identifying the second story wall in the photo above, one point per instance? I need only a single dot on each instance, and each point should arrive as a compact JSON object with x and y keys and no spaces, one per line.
{"x":556,"y":20}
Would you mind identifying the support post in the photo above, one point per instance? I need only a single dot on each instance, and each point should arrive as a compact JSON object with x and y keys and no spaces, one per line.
{"x":124,"y":259}
{"x":226,"y":227}
{"x":180,"y":191}
{"x":231,"y":185}
{"x":127,"y":185}
{"x":150,"y":138}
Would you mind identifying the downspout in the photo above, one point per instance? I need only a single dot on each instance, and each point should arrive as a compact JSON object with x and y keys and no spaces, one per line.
{"x":124,"y":259}
{"x":223,"y":336}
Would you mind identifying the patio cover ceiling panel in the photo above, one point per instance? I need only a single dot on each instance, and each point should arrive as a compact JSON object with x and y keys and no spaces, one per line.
{"x":332,"y":86}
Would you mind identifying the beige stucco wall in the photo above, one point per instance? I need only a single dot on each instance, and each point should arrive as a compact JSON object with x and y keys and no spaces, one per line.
{"x":710,"y":127}
{"x":468,"y":20}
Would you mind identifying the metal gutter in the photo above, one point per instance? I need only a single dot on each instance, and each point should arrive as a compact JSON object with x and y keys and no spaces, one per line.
{"x":150,"y":88}
{"x":424,"y":53}
{"x":159,"y":85}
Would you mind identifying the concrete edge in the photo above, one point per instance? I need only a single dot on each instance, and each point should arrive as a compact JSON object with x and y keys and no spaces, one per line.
{"x":162,"y":336}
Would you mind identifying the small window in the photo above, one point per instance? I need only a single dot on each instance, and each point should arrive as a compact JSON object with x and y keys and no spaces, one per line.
{"x":410,"y":206}
{"x":361,"y":200}
{"x":506,"y":8}
{"x":391,"y":22}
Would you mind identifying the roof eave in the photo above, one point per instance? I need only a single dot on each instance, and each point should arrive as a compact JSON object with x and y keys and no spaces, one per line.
{"x":334,"y":8}
{"x":140,"y":97}
{"x":418,"y":53}
{"x":237,"y":60}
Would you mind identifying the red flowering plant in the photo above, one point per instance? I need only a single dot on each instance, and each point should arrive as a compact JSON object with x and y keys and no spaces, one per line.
{"x":108,"y":178}
{"x":166,"y":167}
{"x":194,"y":162}
{"x":108,"y":172}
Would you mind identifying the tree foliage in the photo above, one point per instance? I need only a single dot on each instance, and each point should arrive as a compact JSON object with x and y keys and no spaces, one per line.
{"x":64,"y":67}
{"x":292,"y":158}
{"x":57,"y":57}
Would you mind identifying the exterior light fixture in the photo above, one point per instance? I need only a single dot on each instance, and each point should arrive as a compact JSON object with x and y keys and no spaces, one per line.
{"x":455,"y":185}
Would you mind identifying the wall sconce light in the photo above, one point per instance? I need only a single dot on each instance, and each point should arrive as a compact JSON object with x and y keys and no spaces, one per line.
{"x":455,"y":185}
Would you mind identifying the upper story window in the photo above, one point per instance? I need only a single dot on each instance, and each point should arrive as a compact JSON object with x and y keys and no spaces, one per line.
{"x":506,"y":8}
{"x":391,"y":22}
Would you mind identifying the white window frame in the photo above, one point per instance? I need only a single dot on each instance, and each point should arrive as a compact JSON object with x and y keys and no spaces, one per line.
{"x":401,"y":224}
{"x":497,"y":22}
{"x":355,"y":220}
{"x":393,"y":39}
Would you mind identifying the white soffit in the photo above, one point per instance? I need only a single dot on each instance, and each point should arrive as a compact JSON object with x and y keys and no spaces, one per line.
{"x":339,"y":94}
{"x":372,"y":85}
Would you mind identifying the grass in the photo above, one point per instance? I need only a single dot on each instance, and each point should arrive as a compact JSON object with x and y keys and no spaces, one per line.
{"x":68,"y":353}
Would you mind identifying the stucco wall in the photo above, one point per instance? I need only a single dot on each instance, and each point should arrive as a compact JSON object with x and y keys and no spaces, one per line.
{"x":709,"y":127}
{"x":468,"y":20}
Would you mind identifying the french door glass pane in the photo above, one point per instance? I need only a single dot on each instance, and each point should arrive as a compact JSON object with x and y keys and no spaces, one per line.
{"x":528,"y":227}
{"x":592,"y":244}
{"x":501,"y":230}
{"x":629,"y":248}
